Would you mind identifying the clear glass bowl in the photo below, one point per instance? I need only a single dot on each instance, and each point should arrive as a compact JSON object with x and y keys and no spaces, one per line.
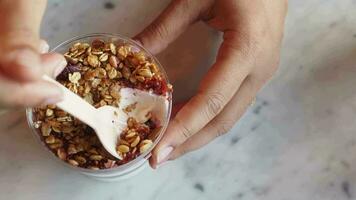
{"x":133,"y":167}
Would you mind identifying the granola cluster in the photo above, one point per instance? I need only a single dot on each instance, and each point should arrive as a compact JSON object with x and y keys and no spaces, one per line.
{"x":96,"y":72}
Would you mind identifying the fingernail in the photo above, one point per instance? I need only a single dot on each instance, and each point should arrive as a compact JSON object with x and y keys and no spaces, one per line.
{"x":138,"y":41}
{"x":44,"y":47}
{"x":61,"y":65}
{"x":53,"y":100}
{"x":163,"y":154}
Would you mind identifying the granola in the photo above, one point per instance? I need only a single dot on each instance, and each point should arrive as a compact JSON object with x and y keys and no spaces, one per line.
{"x":97,"y":72}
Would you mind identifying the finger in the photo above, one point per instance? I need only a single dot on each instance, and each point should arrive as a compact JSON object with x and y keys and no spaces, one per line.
{"x":44,"y":47}
{"x":176,"y":108}
{"x":222,"y":123}
{"x":217,"y":88}
{"x":14,"y":94}
{"x":21,"y":64}
{"x":53,"y":64}
{"x":173,"y":21}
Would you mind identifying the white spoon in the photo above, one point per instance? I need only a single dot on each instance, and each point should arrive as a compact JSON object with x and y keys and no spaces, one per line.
{"x":108,"y":122}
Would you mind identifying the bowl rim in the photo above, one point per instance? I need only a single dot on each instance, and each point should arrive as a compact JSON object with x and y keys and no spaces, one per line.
{"x":125,"y":168}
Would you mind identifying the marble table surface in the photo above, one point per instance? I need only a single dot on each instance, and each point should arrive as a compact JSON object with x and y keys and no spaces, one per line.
{"x":296,"y":142}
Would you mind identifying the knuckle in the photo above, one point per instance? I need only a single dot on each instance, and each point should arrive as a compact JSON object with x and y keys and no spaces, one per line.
{"x":224,"y":127}
{"x":180,"y":152}
{"x":183,"y":129}
{"x":214,"y":104}
{"x":159,"y":30}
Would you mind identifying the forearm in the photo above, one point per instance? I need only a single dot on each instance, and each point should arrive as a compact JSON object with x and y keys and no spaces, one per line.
{"x":21,"y":16}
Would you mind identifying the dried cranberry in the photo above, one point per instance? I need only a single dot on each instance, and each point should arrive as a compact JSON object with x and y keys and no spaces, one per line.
{"x":150,"y":123}
{"x":143,"y":129}
{"x":158,"y":86}
{"x":97,"y":44}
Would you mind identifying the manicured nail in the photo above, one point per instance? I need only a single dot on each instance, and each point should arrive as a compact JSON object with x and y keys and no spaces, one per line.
{"x":61,"y":65}
{"x":163,"y":154}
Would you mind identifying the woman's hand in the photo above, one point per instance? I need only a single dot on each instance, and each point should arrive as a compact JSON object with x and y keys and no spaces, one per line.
{"x":247,"y":59}
{"x":21,"y":61}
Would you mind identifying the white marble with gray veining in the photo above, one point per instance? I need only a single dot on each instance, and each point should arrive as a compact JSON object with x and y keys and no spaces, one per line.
{"x":297,"y":142}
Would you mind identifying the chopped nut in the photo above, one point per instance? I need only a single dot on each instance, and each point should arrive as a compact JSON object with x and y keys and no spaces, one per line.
{"x":61,"y":153}
{"x":45,"y":129}
{"x":131,"y":133}
{"x":113,"y":61}
{"x":154,"y":68}
{"x":123,"y":148}
{"x":50,"y":139}
{"x":72,"y":149}
{"x":96,"y":157}
{"x":136,"y":141}
{"x":145,"y":72}
{"x":73,"y":162}
{"x":81,"y":160}
{"x":49,"y":112}
{"x":145,"y":145}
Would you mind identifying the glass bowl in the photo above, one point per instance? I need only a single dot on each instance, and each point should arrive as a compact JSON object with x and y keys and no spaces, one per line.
{"x":133,"y":167}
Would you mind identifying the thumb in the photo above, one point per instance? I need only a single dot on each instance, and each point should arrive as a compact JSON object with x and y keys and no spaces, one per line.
{"x":173,"y":21}
{"x":53,"y":63}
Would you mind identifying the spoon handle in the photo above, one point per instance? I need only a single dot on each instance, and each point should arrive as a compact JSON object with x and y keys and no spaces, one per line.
{"x":74,"y":104}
